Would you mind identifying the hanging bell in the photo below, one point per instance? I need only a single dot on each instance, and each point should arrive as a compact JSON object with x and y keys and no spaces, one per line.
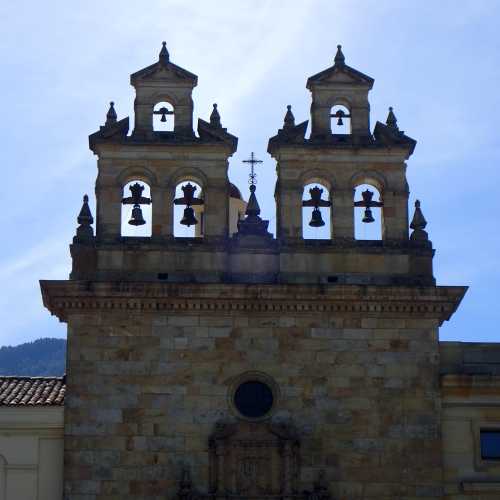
{"x":368,"y":215}
{"x":339,"y":121}
{"x":137,"y":219}
{"x":316,"y":219}
{"x":189,"y":219}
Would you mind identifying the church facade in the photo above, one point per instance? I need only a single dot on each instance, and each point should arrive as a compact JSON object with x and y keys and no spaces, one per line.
{"x":232,"y":364}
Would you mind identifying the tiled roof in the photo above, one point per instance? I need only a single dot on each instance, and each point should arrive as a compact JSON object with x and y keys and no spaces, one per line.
{"x":32,"y":391}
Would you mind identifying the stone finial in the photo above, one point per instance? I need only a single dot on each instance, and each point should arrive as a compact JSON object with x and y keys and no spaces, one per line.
{"x":215,"y":118}
{"x":111,"y":114}
{"x":392,"y":121}
{"x":84,"y":231}
{"x":164,"y":56}
{"x":339,"y":56}
{"x":418,"y":224}
{"x":289,"y":121}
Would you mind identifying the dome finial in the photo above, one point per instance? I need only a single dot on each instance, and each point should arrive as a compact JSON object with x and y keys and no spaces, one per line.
{"x":339,"y":56}
{"x":164,"y":56}
{"x":111,"y":115}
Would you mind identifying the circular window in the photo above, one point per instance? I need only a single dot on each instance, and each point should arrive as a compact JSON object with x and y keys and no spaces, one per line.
{"x":253,"y":399}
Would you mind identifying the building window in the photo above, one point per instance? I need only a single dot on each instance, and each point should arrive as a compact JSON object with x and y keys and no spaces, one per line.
{"x":253,"y":399}
{"x":490,"y":444}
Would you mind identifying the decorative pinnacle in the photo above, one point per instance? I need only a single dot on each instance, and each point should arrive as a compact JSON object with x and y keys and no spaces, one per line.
{"x":339,"y":57}
{"x":85,"y":216}
{"x":164,"y":56}
{"x":111,"y":114}
{"x":289,"y":121}
{"x":391,"y":119}
{"x":84,"y":232}
{"x":418,"y":224}
{"x":215,"y":118}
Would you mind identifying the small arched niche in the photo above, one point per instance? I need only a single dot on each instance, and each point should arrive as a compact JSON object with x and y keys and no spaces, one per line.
{"x":163,"y":117}
{"x":367,"y":212}
{"x":316,"y":212}
{"x":189,"y":213}
{"x":136,"y":213}
{"x":340,"y":117}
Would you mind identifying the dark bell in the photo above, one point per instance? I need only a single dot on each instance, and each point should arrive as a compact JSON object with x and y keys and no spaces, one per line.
{"x":137,"y":219}
{"x":368,"y":215}
{"x":189,"y":219}
{"x":316,"y":219}
{"x":339,"y":121}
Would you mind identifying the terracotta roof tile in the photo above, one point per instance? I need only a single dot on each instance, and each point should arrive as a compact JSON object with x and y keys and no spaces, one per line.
{"x":32,"y":391}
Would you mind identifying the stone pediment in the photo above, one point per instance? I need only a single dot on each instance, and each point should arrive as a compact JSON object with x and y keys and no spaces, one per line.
{"x":164,"y":72}
{"x":340,"y":74}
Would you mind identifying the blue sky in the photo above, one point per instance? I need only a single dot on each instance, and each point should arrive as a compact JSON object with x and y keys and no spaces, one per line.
{"x":437,"y":63}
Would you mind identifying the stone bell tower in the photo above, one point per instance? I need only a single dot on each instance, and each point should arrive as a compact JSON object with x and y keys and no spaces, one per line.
{"x":239,"y":365}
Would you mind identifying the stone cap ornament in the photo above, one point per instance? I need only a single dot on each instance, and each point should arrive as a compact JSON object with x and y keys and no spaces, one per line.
{"x":111,"y":115}
{"x":391,"y":119}
{"x":215,"y":118}
{"x":289,"y":121}
{"x":84,"y":232}
{"x":418,"y":224}
{"x":164,"y":56}
{"x":339,"y":59}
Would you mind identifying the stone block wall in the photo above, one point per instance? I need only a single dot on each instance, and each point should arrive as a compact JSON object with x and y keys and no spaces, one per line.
{"x":145,"y":391}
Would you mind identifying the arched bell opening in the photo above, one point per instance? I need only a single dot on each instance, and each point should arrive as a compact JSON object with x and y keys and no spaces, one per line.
{"x":189,"y":215}
{"x":136,"y":212}
{"x":316,"y":212}
{"x":367,"y":213}
{"x":163,"y":117}
{"x":340,"y":119}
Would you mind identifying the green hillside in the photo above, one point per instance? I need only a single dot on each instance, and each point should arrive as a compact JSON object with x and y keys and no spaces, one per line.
{"x":41,"y":357}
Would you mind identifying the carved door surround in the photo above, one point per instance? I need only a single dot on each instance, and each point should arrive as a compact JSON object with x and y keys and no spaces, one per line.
{"x":254,"y":460}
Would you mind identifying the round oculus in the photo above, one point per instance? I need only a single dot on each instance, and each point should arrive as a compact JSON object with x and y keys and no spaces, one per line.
{"x":253,"y":399}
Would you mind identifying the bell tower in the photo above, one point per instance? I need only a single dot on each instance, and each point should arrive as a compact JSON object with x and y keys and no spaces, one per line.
{"x":231,"y":364}
{"x":341,"y":154}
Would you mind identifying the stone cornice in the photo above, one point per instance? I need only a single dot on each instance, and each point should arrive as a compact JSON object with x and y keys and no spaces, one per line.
{"x":62,"y":298}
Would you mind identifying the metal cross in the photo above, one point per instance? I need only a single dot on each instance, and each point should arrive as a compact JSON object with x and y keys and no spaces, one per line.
{"x":253,"y":161}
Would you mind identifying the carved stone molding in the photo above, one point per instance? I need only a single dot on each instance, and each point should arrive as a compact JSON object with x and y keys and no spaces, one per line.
{"x":65,"y":297}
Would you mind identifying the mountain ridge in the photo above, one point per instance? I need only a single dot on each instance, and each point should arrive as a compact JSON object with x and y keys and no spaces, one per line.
{"x":42,"y":357}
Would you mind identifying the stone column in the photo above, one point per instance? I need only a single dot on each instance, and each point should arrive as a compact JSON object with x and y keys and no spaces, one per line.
{"x":108,"y":211}
{"x":343,"y":213}
{"x":395,"y":215}
{"x":162,"y":212}
{"x":289,"y":202}
{"x":143,"y":116}
{"x":216,"y":209}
